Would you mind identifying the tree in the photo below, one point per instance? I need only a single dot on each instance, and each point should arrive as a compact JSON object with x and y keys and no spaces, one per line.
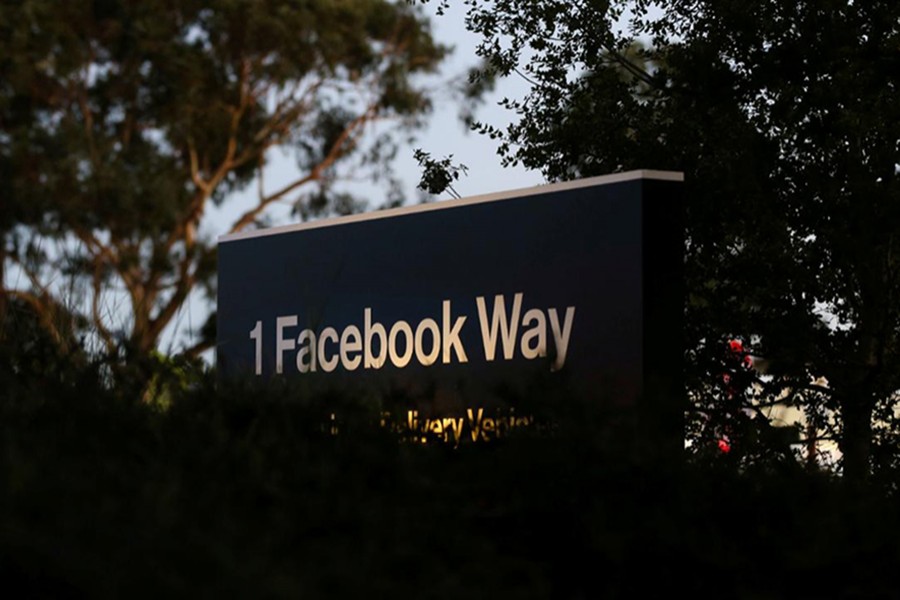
{"x":122,"y":122}
{"x":785,"y":120}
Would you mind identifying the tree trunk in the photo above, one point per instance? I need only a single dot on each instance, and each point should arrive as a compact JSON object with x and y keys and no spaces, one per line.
{"x":856,"y":441}
{"x":3,"y":298}
{"x":860,"y":390}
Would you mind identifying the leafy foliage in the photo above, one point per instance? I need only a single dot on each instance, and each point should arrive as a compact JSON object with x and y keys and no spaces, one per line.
{"x":785,"y":122}
{"x":122,"y":123}
{"x":438,"y":175}
{"x":246,"y":491}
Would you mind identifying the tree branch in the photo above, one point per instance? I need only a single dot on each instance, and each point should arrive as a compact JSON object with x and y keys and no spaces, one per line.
{"x":335,"y":152}
{"x":183,"y":286}
{"x":45,"y":310}
{"x":198,"y":348}
{"x":636,"y":70}
{"x":198,"y":180}
{"x":103,"y":331}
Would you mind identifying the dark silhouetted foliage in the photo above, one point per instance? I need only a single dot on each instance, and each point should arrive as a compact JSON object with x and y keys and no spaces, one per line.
{"x":258,"y":492}
{"x":785,"y":121}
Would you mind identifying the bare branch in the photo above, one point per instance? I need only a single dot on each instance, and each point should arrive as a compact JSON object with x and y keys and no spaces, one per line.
{"x":198,"y":180}
{"x":635,"y":70}
{"x":527,"y":79}
{"x":250,"y":216}
{"x":198,"y":348}
{"x":335,"y":152}
{"x":104,"y":332}
{"x":183,"y":285}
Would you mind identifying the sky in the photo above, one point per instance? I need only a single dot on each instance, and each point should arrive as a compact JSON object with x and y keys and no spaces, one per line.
{"x":443,"y":135}
{"x":446,"y":134}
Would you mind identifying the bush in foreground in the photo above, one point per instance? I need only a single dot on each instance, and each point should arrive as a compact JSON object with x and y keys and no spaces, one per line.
{"x":253,"y":492}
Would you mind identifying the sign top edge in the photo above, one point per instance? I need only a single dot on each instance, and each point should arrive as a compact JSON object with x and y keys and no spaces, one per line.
{"x":445,"y":204}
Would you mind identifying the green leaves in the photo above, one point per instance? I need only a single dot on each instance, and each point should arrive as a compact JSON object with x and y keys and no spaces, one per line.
{"x":120,"y":122}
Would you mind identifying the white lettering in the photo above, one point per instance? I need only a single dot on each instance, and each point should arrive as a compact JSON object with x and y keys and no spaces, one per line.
{"x":538,"y":333}
{"x":400,"y":360}
{"x":561,"y":338}
{"x":370,"y":331}
{"x":348,"y":346}
{"x":499,"y":324}
{"x":451,"y":341}
{"x":282,"y":344}
{"x":431,"y":357}
{"x":307,"y":366}
{"x":373,"y":344}
{"x":328,"y":365}
{"x":256,"y":336}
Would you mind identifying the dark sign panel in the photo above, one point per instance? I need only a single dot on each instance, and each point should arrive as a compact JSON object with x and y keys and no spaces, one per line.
{"x":463,"y":303}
